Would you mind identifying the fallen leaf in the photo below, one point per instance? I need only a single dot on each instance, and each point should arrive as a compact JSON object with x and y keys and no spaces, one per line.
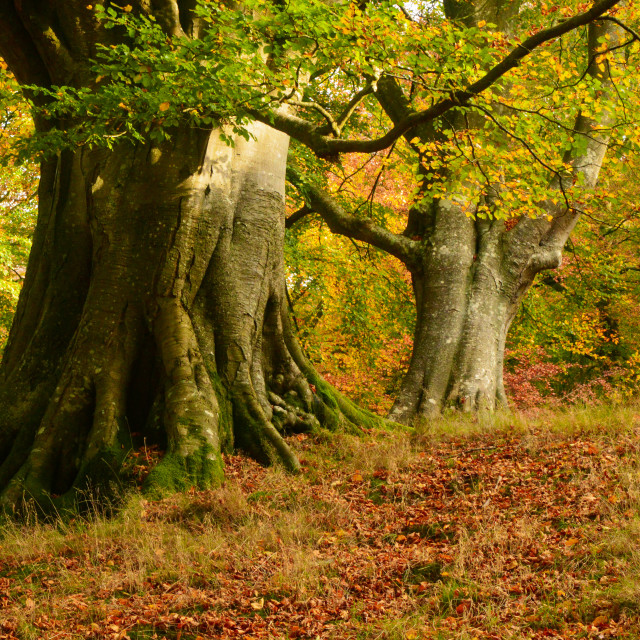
{"x":463,"y":606}
{"x":600,"y":621}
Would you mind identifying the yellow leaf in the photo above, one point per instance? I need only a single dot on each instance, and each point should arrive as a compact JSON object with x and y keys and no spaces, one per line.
{"x":257,"y":604}
{"x":127,"y":8}
{"x":482,"y":23}
{"x":411,"y":634}
{"x":164,"y":106}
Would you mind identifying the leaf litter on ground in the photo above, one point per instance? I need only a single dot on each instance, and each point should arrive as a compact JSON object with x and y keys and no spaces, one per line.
{"x":523,"y":530}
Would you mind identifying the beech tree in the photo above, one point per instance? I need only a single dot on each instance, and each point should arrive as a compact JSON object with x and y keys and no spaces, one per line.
{"x":154,"y":305}
{"x":501,"y":185}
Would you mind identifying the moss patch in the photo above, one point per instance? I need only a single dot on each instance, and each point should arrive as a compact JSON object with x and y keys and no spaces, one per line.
{"x":225,"y":415}
{"x":202,"y":469}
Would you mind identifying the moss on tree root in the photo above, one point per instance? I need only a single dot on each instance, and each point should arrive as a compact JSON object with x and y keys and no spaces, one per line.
{"x":225,"y":416}
{"x":106,"y":477}
{"x":203,"y":469}
{"x":335,"y":410}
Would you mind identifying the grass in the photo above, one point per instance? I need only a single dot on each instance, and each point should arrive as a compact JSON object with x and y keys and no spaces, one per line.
{"x":502,"y":527}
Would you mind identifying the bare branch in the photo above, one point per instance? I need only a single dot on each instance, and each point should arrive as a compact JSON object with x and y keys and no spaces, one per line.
{"x":622,"y":25}
{"x":343,"y":118}
{"x":296,"y":216}
{"x":333,"y":125}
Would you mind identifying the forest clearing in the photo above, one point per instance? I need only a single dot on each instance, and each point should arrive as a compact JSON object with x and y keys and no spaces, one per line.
{"x":490,"y":528}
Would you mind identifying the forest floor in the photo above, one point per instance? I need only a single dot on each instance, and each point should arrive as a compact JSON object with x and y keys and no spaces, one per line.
{"x":503,"y":527}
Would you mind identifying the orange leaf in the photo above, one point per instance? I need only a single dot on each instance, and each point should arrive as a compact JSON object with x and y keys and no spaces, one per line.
{"x":600,"y":621}
{"x":463,"y":606}
{"x":164,"y":106}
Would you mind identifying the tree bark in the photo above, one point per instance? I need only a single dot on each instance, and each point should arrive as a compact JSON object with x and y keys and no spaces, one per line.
{"x":153,"y":308}
{"x":466,"y":298}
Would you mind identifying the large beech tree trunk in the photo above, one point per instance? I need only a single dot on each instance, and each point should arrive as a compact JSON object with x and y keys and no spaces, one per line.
{"x":153,"y":308}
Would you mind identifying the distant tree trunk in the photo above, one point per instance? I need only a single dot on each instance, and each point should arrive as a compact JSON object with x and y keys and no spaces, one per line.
{"x":470,"y":276}
{"x":153,"y":307}
{"x":468,"y":283}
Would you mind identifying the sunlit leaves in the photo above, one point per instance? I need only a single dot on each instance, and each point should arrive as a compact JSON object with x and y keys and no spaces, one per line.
{"x":18,"y":185}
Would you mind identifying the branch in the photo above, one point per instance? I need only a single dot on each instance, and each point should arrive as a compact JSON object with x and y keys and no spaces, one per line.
{"x":622,"y":25}
{"x":333,"y":125}
{"x":346,"y":224}
{"x":325,"y":146}
{"x":296,"y":216}
{"x":19,"y":50}
{"x":343,"y":118}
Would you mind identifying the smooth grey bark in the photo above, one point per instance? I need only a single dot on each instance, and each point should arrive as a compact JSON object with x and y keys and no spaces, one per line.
{"x":474,"y":274}
{"x":154,"y":307}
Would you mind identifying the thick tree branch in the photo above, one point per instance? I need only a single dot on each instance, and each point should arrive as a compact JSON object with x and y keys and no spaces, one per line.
{"x":325,"y":146}
{"x":342,"y":222}
{"x":398,"y":108}
{"x":18,"y":49}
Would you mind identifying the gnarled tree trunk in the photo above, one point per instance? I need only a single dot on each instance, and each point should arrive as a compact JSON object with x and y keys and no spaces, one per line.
{"x":469,"y":283}
{"x":154,"y":306}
